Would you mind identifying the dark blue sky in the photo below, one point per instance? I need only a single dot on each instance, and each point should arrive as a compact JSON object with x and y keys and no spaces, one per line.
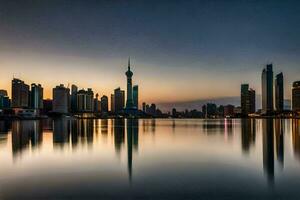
{"x":191,"y":46}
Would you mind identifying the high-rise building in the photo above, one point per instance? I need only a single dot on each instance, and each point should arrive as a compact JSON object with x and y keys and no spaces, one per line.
{"x":4,"y":100}
{"x":112,"y":103}
{"x":129,"y":74}
{"x":279,"y":92}
{"x":20,"y":94}
{"x":74,"y":90}
{"x":36,"y":96}
{"x":97,"y":106}
{"x":135,"y":95}
{"x":85,"y":100}
{"x":61,"y":98}
{"x":296,"y":96}
{"x":3,"y":93}
{"x":267,"y":89}
{"x":119,"y":96}
{"x":144,"y":107}
{"x":104,"y":104}
{"x":247,"y":100}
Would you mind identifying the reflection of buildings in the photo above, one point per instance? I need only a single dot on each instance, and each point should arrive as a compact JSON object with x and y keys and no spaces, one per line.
{"x":132,"y":126}
{"x":119,"y":134}
{"x":104,"y":126}
{"x":268,"y":149}
{"x":248,"y":133}
{"x":296,"y":137}
{"x":82,"y":131}
{"x":279,"y":126}
{"x":61,"y":130}
{"x":24,"y":134}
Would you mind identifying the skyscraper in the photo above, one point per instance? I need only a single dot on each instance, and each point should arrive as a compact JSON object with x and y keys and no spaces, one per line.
{"x":296,"y":96}
{"x":74,"y":91}
{"x":279,"y":92}
{"x":85,"y":100}
{"x":129,"y":74}
{"x":112,"y":103}
{"x":104,"y":104}
{"x":267,"y":89}
{"x":119,"y":99}
{"x":61,"y":98}
{"x":36,"y":96}
{"x":20,"y":94}
{"x":247,"y":100}
{"x":135,"y":95}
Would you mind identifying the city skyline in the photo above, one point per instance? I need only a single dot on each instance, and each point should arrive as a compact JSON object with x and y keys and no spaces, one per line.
{"x":95,"y":42}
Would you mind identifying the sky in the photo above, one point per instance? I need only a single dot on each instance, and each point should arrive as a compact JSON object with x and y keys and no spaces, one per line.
{"x":180,"y":50}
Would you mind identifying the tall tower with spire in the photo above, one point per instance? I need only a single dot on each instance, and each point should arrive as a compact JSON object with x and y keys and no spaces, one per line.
{"x":129,"y":74}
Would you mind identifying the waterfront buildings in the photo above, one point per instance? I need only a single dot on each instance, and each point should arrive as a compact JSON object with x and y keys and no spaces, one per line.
{"x":85,"y":100}
{"x":112,"y":103}
{"x":20,"y":94}
{"x":119,"y":100}
{"x":135,"y":95}
{"x":279,"y":92}
{"x":267,"y":89}
{"x":74,"y":90}
{"x":247,"y":100}
{"x":36,"y":96}
{"x":61,"y":98}
{"x":296,"y":96}
{"x":104,"y":104}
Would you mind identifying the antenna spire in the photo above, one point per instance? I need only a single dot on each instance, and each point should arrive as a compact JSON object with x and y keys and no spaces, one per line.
{"x":129,"y":63}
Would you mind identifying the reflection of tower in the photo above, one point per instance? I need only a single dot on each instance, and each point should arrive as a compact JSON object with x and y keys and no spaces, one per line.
{"x":132,"y":140}
{"x":129,"y":74}
{"x":279,"y":141}
{"x":268,"y":149}
{"x":119,"y":134}
{"x":248,"y":134}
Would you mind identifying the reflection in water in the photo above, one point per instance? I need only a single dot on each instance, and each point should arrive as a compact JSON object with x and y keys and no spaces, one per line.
{"x":186,"y":154}
{"x":61,"y":130}
{"x":268,"y":149}
{"x":25,"y":133}
{"x":279,"y":127}
{"x":132,"y":140}
{"x":248,"y":134}
{"x":104,"y":126}
{"x":119,"y":134}
{"x":296,"y":138}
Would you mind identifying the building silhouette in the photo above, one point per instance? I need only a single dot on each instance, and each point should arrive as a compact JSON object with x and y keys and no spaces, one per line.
{"x":74,"y":90}
{"x":129,"y":74}
{"x":85,"y":100}
{"x":4,"y":100}
{"x":296,"y":96}
{"x":61,"y":98}
{"x":135,"y":95}
{"x":247,"y":100}
{"x":112,"y":103}
{"x":279,"y":93}
{"x":104,"y":104}
{"x":20,"y":94}
{"x":36,"y":96}
{"x":267,"y":89}
{"x":97,"y":104}
{"x":119,"y":100}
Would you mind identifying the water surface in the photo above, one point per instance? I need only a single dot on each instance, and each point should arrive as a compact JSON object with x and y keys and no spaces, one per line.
{"x":150,"y":159}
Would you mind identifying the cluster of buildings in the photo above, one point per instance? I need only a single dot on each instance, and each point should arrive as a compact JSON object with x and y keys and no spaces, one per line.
{"x":272,"y":96}
{"x":28,"y":101}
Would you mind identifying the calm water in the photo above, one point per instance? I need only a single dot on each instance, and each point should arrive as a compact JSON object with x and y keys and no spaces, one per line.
{"x":150,"y":159}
